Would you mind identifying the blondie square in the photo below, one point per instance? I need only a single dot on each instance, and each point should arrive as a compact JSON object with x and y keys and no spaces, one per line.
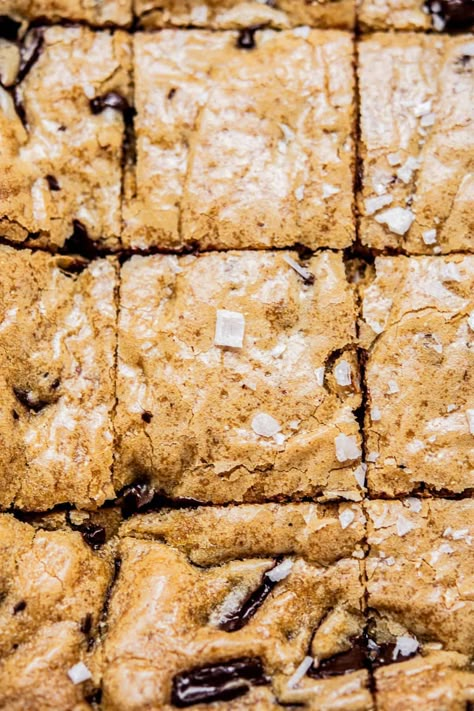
{"x":105,"y":12}
{"x":231,"y":14}
{"x":242,"y":140}
{"x":61,"y":134}
{"x":57,"y":346}
{"x":418,"y":329}
{"x":417,"y":142}
{"x":244,"y":606}
{"x":438,"y":15}
{"x":52,"y":592}
{"x":237,"y":377}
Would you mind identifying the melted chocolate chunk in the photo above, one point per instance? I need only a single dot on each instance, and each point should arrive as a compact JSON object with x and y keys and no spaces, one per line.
{"x":80,"y":242}
{"x":52,"y":183}
{"x":29,"y":400}
{"x":92,"y":534}
{"x":344,"y":663}
{"x":136,"y":497}
{"x":9,"y":28}
{"x":147,"y":416}
{"x":240,"y":618}
{"x":86,"y":624}
{"x":246,"y":38}
{"x":457,"y":14}
{"x":218,"y":682}
{"x":30,"y":52}
{"x":112,"y":100}
{"x":95,"y":697}
{"x":19,"y":607}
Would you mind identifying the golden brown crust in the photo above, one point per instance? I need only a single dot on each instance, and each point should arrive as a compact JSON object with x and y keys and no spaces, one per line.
{"x":105,"y":12}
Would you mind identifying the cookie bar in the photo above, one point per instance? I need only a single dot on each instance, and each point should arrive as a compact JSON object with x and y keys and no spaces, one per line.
{"x":242,"y":140}
{"x":425,"y":15}
{"x":417,"y":143}
{"x":52,"y":592}
{"x":237,"y":377}
{"x":105,"y":12}
{"x":57,"y":346}
{"x":249,"y":606}
{"x":418,"y":328}
{"x":61,"y":133}
{"x":231,"y":14}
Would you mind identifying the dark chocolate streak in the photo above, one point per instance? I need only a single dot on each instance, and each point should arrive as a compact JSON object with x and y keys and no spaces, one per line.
{"x":9,"y":28}
{"x":112,"y":100}
{"x":92,"y":533}
{"x":457,"y":14}
{"x":240,"y":617}
{"x":217,"y":682}
{"x":30,"y":52}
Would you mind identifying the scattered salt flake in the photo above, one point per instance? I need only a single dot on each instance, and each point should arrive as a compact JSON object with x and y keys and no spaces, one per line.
{"x":294,"y":424}
{"x":406,"y":171}
{"x":444,"y":548}
{"x":330,"y":190}
{"x":397,"y":219}
{"x":450,"y":272}
{"x":422,"y":109}
{"x":404,"y":525}
{"x":302,"y":271}
{"x":346,"y":447}
{"x":470,"y":321}
{"x":278,"y":350}
{"x":280,"y":571}
{"x":405,"y":646}
{"x":470,"y":420}
{"x":360,"y":473}
{"x":300,"y":672}
{"x":393,"y":387}
{"x":415,"y":446}
{"x":390,"y":560}
{"x":79,"y":673}
{"x":230,"y":327}
{"x":428,"y":120}
{"x":375,"y":415}
{"x":299,"y":193}
{"x":288,"y":133}
{"x":429,"y":236}
{"x":279,"y":438}
{"x":451,"y":408}
{"x":342,"y":373}
{"x":265,"y":425}
{"x":377,"y":203}
{"x":372,"y":456}
{"x":413,"y":504}
{"x":319,"y":375}
{"x":302,"y":32}
{"x":394,"y":158}
{"x":358,"y":554}
{"x":438,"y":23}
{"x":346,"y":517}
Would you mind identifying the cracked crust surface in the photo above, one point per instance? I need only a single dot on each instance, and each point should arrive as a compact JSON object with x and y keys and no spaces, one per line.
{"x":242,"y":147}
{"x":189,"y":416}
{"x":185,"y":588}
{"x":231,"y":14}
{"x":52,"y":588}
{"x":57,"y":346}
{"x":411,"y":15}
{"x":105,"y":12}
{"x":420,"y":572}
{"x":64,"y":166}
{"x":417,"y":142}
{"x":418,"y":327}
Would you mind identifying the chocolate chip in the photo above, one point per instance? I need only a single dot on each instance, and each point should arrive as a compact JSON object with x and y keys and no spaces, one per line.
{"x":136,"y":497}
{"x":246,"y":38}
{"x":171,"y":93}
{"x":80,"y":242}
{"x":343,"y":663}
{"x":240,"y":618}
{"x":218,"y":682}
{"x":95,"y":696}
{"x":112,"y":100}
{"x":9,"y":28}
{"x":15,"y":415}
{"x":29,"y":400}
{"x":86,"y":624}
{"x":457,"y":14}
{"x":30,"y":51}
{"x":147,"y":416}
{"x":52,"y":183}
{"x":19,"y":607}
{"x":93,"y":534}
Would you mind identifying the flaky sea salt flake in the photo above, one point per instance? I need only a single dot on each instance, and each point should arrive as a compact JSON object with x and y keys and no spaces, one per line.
{"x":79,"y":673}
{"x":429,"y":236}
{"x":346,"y":447}
{"x":404,"y":525}
{"x":304,"y":273}
{"x":230,"y":327}
{"x":398,"y":219}
{"x":346,"y":517}
{"x":405,"y":646}
{"x":280,"y":571}
{"x":373,"y":204}
{"x":342,"y":373}
{"x":265,"y":425}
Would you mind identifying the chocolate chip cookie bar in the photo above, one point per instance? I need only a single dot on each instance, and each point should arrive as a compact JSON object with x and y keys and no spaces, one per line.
{"x":105,"y":12}
{"x":417,"y":142}
{"x":62,"y":102}
{"x":231,"y":14}
{"x":418,"y":328}
{"x":238,"y":378}
{"x":250,"y":607}
{"x":242,"y":140}
{"x":437,"y":15}
{"x":57,"y":346}
{"x":52,"y":592}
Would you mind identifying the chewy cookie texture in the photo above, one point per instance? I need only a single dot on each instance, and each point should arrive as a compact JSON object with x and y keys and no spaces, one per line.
{"x":417,"y":142}
{"x":52,"y":591}
{"x":103,"y":12}
{"x":242,"y":140}
{"x":237,"y":599}
{"x":437,"y":15}
{"x":230,"y":14}
{"x":418,"y":329}
{"x":63,"y":95}
{"x":57,"y":345}
{"x":233,"y":370}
